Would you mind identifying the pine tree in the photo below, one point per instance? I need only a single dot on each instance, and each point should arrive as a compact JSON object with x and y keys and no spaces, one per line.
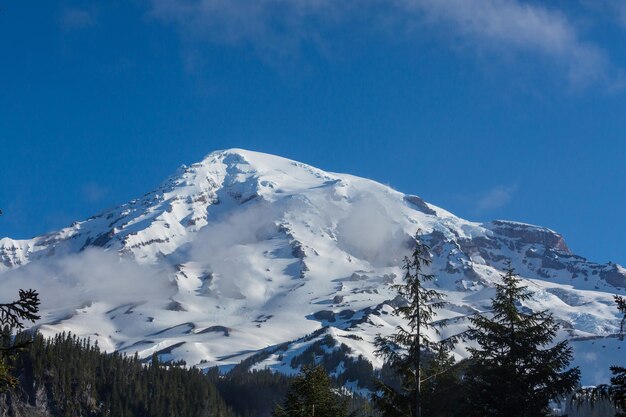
{"x":311,"y":395}
{"x":517,"y":368}
{"x":404,"y":350}
{"x":12,"y":316}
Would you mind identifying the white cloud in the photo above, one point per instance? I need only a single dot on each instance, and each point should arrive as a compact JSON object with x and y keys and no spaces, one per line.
{"x":281,"y":26}
{"x":512,"y":25}
{"x":94,"y":275}
{"x":368,"y":232}
{"x":271,"y":26}
{"x":227,"y":248}
{"x":495,"y":198}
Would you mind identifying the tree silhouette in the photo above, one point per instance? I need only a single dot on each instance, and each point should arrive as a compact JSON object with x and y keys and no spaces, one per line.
{"x":12,"y":317}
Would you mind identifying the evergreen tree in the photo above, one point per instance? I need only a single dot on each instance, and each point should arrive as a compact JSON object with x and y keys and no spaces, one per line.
{"x":311,"y":395}
{"x":442,"y":388}
{"x":516,"y":369}
{"x":70,"y":377}
{"x":12,"y":316}
{"x":404,"y":350}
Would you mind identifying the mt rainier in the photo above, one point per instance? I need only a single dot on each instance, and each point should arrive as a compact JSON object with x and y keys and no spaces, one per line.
{"x":251,"y":256}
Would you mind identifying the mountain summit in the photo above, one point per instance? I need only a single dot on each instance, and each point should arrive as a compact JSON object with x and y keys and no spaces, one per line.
{"x":244,"y":254}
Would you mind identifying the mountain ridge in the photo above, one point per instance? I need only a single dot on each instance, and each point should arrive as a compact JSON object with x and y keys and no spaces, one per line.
{"x":245,"y":250}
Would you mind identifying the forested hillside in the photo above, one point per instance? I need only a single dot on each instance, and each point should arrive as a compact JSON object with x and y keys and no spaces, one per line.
{"x":66,"y":376}
{"x":69,"y":377}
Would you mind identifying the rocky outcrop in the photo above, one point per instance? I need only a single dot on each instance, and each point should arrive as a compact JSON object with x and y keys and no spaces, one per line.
{"x":19,"y":403}
{"x":419,"y":204}
{"x":527,"y":234}
{"x":614,"y":275}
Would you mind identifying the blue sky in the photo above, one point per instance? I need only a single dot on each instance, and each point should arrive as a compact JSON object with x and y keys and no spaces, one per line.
{"x":492,"y":109}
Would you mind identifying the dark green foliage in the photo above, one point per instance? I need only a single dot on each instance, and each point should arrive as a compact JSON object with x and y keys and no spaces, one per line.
{"x":441,"y":389}
{"x":311,"y":395}
{"x":12,"y":316}
{"x":406,"y":350}
{"x":77,"y":379}
{"x":251,"y":394}
{"x":263,"y":389}
{"x":256,"y":393}
{"x":516,"y":368}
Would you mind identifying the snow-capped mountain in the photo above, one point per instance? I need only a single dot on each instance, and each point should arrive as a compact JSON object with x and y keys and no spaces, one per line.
{"x":248,"y":253}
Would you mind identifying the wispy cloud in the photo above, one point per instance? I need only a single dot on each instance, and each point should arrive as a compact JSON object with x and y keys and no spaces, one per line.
{"x":275,"y":27}
{"x":512,"y":25}
{"x":75,"y":18}
{"x":94,"y":275}
{"x":280,"y":26}
{"x":495,"y":198}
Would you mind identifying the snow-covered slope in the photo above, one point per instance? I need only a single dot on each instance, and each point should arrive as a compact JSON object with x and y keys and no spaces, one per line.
{"x":245,"y":251}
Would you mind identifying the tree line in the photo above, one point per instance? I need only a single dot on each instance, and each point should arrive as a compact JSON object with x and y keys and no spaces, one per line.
{"x":69,"y":377}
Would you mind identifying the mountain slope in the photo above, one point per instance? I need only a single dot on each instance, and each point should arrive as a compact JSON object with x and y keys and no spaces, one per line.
{"x":246,"y":250}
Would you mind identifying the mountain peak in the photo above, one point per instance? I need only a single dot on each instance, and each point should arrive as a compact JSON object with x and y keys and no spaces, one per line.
{"x":272,"y":249}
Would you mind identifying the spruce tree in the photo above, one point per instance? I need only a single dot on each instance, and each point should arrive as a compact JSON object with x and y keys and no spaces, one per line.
{"x":404,"y":350}
{"x":516,"y":369}
{"x":311,"y":395}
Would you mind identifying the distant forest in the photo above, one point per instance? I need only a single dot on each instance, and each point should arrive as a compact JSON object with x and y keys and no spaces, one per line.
{"x":69,"y":377}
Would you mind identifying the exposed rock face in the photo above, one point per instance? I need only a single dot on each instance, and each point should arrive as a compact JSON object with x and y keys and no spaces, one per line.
{"x":526,"y":234}
{"x":419,"y":204}
{"x":534,"y":251}
{"x":22,"y":404}
{"x":614,"y":275}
